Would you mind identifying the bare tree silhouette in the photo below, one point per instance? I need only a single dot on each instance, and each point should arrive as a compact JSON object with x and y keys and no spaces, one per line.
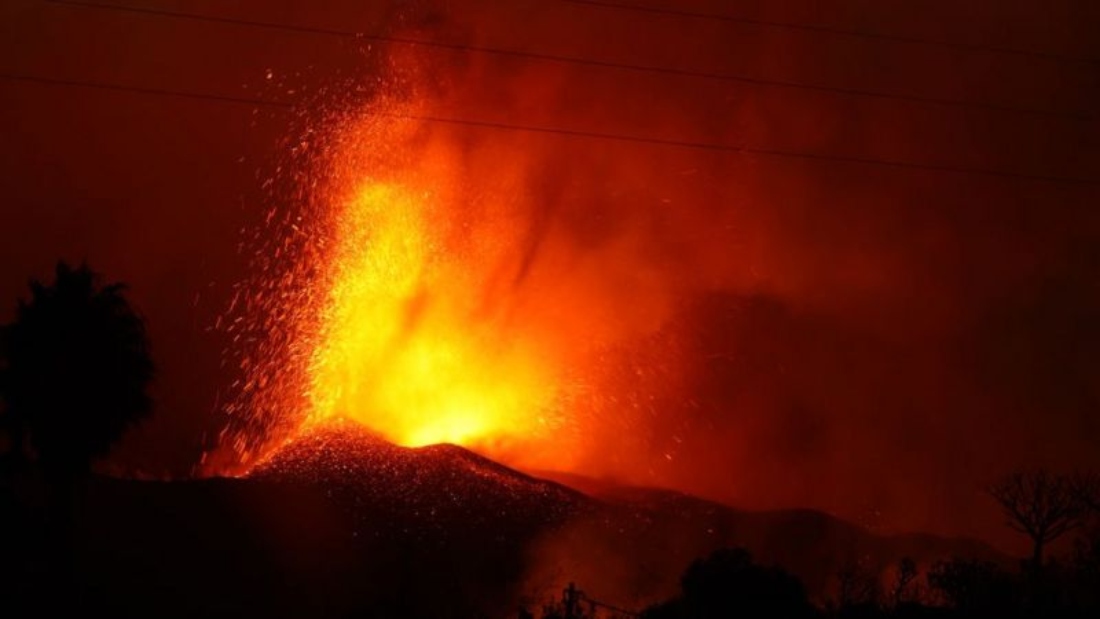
{"x":1042,"y":505}
{"x":77,"y":370}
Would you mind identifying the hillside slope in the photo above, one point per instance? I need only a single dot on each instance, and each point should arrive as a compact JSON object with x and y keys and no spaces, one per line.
{"x":340,"y":523}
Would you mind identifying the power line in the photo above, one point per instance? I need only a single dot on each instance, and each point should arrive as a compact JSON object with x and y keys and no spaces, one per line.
{"x":574,"y":133}
{"x":35,"y":79}
{"x":579,"y":61}
{"x":896,"y":38}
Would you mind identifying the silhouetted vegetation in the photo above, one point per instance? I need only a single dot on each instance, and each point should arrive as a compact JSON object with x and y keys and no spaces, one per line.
{"x":77,"y":367}
{"x":858,"y":587}
{"x":1042,"y":505}
{"x":74,"y":372}
{"x":728,"y":584}
{"x":1086,"y":489}
{"x":902,"y":591}
{"x":974,"y":588}
{"x":1086,"y":570}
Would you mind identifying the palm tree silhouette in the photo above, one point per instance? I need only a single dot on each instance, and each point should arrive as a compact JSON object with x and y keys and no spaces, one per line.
{"x":78,"y":368}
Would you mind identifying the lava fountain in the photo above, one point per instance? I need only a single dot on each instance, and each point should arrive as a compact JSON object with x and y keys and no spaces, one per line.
{"x":401,"y":300}
{"x":415,"y":338}
{"x":442,"y":283}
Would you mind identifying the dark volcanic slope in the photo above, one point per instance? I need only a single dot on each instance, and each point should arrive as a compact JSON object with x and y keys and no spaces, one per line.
{"x":631,"y":543}
{"x":336,"y":524}
{"x":441,"y":487}
{"x":646,"y":536}
{"x":340,"y":523}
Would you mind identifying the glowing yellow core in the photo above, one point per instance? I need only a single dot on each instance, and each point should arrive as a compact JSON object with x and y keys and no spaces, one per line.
{"x":411,"y":344}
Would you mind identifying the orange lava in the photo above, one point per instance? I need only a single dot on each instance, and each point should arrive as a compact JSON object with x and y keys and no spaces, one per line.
{"x":410,"y":343}
{"x":439,"y":284}
{"x":427,"y":319}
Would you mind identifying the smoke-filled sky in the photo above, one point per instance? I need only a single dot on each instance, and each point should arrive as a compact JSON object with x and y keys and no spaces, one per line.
{"x":873,"y":340}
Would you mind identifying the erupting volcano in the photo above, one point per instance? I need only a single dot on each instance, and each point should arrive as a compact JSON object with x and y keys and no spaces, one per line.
{"x":440,"y":287}
{"x":410,"y":328}
{"x":609,"y":308}
{"x":429,"y":308}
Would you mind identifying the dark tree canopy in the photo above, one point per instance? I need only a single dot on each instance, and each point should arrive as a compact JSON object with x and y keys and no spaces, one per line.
{"x":78,"y":368}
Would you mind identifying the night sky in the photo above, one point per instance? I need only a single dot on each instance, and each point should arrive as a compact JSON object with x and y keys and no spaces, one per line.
{"x":878,"y":341}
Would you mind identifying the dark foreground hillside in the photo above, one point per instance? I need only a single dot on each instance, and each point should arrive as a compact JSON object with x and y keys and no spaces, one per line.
{"x":341,"y":524}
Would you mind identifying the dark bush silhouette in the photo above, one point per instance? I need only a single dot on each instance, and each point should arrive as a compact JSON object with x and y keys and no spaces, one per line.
{"x":901,"y":591}
{"x":1085,"y":583}
{"x":1085,"y":486}
{"x":858,"y":587}
{"x":727,"y":583}
{"x":975,"y":588}
{"x":77,"y":369}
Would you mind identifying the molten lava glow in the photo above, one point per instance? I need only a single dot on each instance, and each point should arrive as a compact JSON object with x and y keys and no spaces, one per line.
{"x":408,"y":346}
{"x":441,"y":284}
